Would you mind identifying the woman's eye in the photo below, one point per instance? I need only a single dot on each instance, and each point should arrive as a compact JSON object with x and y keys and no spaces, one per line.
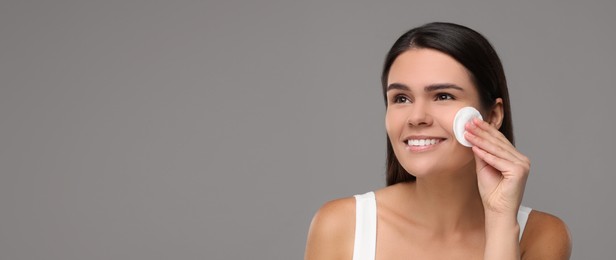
{"x":444,"y":96}
{"x":401,"y":99}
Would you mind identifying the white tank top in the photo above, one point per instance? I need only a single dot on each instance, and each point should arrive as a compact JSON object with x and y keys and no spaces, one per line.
{"x":365,"y":226}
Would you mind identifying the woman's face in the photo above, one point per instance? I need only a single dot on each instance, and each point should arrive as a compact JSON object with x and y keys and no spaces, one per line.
{"x":425,"y":89}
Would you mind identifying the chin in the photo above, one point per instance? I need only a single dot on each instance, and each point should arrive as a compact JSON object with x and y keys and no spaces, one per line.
{"x":424,"y":168}
{"x":420,"y":172}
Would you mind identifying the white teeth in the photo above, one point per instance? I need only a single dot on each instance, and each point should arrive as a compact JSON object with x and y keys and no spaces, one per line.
{"x":422,"y":142}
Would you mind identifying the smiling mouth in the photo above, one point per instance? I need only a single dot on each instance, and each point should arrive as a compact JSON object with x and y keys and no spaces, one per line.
{"x":422,"y":142}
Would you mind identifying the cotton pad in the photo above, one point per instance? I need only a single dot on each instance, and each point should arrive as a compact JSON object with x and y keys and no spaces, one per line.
{"x":463,"y":116}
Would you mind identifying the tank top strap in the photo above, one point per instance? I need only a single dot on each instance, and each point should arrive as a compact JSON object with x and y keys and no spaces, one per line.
{"x":365,"y":227}
{"x":523,"y":213}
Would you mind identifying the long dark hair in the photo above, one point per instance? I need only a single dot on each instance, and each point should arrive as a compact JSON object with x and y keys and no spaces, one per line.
{"x":470,"y":49}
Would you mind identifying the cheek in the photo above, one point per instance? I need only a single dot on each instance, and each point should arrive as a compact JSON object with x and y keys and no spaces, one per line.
{"x":446,"y":120}
{"x":388,"y":121}
{"x":393,"y":122}
{"x":448,"y":125}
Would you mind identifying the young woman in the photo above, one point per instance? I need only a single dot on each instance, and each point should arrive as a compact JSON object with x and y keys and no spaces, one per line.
{"x":443,"y":200}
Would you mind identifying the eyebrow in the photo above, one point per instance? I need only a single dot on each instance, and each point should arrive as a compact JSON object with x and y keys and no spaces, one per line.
{"x":429,"y":88}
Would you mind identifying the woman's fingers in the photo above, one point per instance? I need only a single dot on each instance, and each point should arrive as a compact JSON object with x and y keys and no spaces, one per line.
{"x":504,"y":166}
{"x":492,"y":140}
{"x":492,"y":147}
{"x":485,"y":126}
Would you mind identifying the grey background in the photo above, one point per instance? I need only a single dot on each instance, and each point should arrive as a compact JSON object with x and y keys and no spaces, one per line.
{"x":214,"y":130}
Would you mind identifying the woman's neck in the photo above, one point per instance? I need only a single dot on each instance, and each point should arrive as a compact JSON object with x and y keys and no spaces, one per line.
{"x":448,"y":202}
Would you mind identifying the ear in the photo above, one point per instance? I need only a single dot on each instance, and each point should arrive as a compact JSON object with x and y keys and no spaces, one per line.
{"x":496,"y":113}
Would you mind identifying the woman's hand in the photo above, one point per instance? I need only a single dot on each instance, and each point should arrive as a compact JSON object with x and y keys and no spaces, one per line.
{"x":501,"y":176}
{"x":501,"y":170}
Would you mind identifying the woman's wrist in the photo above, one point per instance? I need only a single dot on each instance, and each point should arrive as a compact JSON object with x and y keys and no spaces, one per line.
{"x":502,"y":229}
{"x":502,"y":237}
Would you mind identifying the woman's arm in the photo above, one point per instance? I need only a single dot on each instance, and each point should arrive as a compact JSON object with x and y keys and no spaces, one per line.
{"x":331,"y":233}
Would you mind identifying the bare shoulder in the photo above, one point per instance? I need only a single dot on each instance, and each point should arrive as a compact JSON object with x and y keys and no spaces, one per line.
{"x":332,"y":231}
{"x":545,"y":237}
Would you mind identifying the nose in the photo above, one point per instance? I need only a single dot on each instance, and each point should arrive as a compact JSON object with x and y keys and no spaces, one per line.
{"x":419,"y":115}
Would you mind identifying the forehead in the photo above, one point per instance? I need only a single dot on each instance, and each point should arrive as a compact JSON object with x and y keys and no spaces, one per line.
{"x":422,"y":67}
